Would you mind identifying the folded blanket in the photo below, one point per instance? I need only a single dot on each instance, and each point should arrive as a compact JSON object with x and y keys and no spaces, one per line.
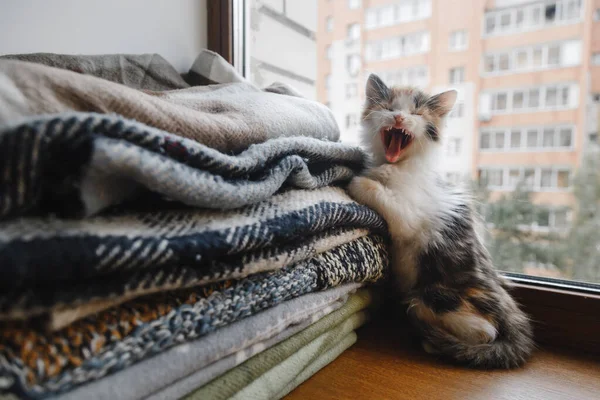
{"x":73,"y":268}
{"x":181,"y":369}
{"x":143,"y":71}
{"x":297,"y":368}
{"x":312,"y":341}
{"x":227,"y":117}
{"x":37,"y":364}
{"x":78,"y":164}
{"x":315,"y":366}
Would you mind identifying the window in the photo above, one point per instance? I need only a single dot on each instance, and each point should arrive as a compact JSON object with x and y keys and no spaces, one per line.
{"x":543,"y":98}
{"x":458,"y":40}
{"x":515,"y":139}
{"x":596,"y":58}
{"x":353,"y":4}
{"x":457,"y":75}
{"x":351,"y":90}
{"x":597,"y":14}
{"x":401,"y":11}
{"x":351,"y":121}
{"x":521,"y":114}
{"x":412,"y":76}
{"x":537,"y":179}
{"x":529,"y":139}
{"x":353,"y":32}
{"x":532,"y":16}
{"x":395,"y":47}
{"x":545,"y":56}
{"x":353,"y":64}
{"x":329,"y":24}
{"x":458,"y":111}
{"x":453,"y":147}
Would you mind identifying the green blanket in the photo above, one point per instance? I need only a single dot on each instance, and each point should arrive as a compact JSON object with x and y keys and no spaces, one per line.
{"x":311,"y":342}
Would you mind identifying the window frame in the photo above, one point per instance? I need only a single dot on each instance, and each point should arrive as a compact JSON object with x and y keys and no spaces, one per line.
{"x":524,"y":147}
{"x":565,"y":314}
{"x":541,"y":105}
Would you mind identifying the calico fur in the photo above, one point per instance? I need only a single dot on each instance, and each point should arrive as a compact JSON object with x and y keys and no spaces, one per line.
{"x":458,"y":302}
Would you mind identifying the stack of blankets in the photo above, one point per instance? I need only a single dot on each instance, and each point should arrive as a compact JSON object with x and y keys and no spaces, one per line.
{"x":173,"y":236}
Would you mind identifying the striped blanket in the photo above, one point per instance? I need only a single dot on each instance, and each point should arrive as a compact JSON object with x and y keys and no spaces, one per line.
{"x":71,"y":268}
{"x":37,"y":364}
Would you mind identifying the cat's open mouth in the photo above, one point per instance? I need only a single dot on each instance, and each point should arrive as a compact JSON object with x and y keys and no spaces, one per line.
{"x":395,"y":140}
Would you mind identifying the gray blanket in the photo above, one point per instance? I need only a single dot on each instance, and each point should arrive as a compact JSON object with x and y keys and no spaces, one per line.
{"x":227,"y":117}
{"x":78,"y":164}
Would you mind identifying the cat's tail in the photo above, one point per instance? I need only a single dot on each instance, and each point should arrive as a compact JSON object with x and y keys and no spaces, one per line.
{"x":510,"y":349}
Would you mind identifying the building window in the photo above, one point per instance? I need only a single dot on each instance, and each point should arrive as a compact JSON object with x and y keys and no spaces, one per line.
{"x":351,"y":90}
{"x":328,"y":52}
{"x":329,"y":24}
{"x":457,"y":75}
{"x":351,"y":121}
{"x":458,"y":40}
{"x":549,"y":55}
{"x":453,"y":147}
{"x":559,"y":96}
{"x":353,"y":65}
{"x":352,"y":4}
{"x":412,"y":76}
{"x":400,"y":12}
{"x":458,"y":111}
{"x":597,"y":14}
{"x":596,"y":58}
{"x":328,"y":82}
{"x":548,"y":138}
{"x":547,"y":178}
{"x":353,"y":32}
{"x":396,"y":47}
{"x":535,"y":15}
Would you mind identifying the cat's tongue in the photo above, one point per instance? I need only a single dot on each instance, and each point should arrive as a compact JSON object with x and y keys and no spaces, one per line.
{"x":392,"y":151}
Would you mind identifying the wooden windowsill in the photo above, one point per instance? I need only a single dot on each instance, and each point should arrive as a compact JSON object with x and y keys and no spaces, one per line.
{"x":386,"y":363}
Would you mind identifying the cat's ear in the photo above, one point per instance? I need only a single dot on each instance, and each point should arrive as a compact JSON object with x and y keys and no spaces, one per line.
{"x":377,"y":91}
{"x":441,"y":104}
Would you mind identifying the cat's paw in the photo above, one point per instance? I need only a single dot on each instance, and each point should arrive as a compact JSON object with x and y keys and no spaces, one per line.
{"x":363,"y":189}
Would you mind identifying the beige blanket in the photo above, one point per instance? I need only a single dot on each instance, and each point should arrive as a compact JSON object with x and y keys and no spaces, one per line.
{"x":227,"y":117}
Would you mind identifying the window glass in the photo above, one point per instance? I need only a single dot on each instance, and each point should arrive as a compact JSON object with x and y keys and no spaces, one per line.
{"x":525,"y":123}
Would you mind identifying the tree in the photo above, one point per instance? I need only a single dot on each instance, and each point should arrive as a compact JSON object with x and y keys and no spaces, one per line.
{"x":584,"y":236}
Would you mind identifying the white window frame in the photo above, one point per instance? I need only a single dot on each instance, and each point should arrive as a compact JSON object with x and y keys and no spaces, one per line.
{"x":354,"y":4}
{"x":529,"y":50}
{"x":541,"y":107}
{"x":454,"y":73}
{"x":453,"y":45}
{"x":506,"y":186}
{"x":329,"y":24}
{"x":528,"y":24}
{"x":397,"y":46}
{"x":402,"y":76}
{"x":390,"y":15}
{"x":524,"y":148}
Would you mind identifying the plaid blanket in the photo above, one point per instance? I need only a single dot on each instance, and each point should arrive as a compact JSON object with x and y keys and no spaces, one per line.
{"x":79,"y":164}
{"x":71,"y":268}
{"x":36,"y":364}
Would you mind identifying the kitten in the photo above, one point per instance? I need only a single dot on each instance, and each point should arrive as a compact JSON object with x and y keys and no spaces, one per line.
{"x":456,"y":299}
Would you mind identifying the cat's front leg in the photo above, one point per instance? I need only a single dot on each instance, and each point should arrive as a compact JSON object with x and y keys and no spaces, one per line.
{"x":369,"y":192}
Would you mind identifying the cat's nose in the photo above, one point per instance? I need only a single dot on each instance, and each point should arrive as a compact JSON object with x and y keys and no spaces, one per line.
{"x":399,"y":118}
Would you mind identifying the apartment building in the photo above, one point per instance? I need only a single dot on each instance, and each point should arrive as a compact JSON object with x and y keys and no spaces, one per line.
{"x":527,"y":74}
{"x":282,"y":45}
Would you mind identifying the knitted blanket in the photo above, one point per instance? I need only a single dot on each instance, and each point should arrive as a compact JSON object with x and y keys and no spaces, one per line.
{"x":78,"y":164}
{"x":37,"y":364}
{"x":72,"y":268}
{"x":184,"y":368}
